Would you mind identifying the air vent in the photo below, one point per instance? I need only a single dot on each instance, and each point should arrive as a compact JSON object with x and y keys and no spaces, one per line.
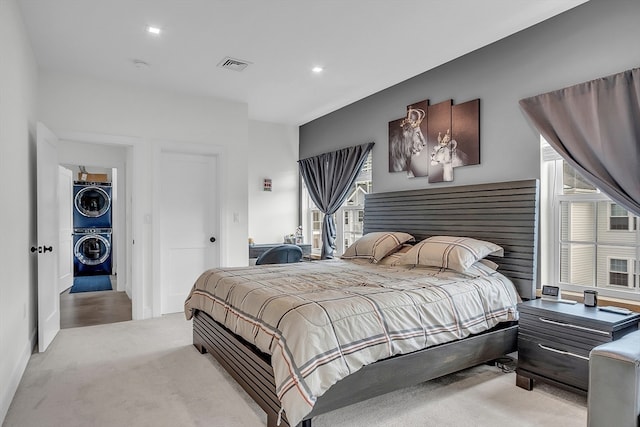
{"x":233,"y":64}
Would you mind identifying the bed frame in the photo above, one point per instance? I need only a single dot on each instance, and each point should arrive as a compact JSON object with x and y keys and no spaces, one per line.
{"x":504,"y":213}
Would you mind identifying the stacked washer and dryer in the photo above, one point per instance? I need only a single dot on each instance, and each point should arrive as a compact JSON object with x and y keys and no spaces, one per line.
{"x":92,"y":222}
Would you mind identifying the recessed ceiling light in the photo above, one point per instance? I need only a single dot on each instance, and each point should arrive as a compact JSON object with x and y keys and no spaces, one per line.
{"x":139,"y":63}
{"x":153,"y":30}
{"x":317,"y":69}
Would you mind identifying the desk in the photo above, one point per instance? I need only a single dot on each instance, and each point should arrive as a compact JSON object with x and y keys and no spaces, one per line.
{"x":256,"y":250}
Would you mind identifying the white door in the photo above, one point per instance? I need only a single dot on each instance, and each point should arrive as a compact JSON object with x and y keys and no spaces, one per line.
{"x":47,"y":209}
{"x":188,"y":223}
{"x":65,"y":229}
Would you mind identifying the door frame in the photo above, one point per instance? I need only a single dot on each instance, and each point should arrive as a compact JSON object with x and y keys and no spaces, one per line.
{"x":135,"y":172}
{"x":193,"y":148}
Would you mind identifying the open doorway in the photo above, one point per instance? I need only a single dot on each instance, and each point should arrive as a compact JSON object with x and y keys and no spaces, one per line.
{"x":92,"y":227}
{"x":54,"y":150}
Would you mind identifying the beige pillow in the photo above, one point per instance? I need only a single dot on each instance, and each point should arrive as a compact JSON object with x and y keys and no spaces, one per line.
{"x":393,"y":258}
{"x":456,"y":253}
{"x":377,"y":245}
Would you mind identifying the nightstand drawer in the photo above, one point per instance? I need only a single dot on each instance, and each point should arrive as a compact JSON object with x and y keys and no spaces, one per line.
{"x":554,"y":360}
{"x":544,"y":326}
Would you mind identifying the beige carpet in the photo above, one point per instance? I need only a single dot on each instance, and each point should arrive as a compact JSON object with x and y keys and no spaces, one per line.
{"x":147,"y":373}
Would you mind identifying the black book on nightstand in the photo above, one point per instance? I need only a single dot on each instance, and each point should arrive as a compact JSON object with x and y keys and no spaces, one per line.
{"x":554,"y":341}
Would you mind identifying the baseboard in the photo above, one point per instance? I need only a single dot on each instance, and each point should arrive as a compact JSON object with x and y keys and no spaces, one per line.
{"x":9,"y":390}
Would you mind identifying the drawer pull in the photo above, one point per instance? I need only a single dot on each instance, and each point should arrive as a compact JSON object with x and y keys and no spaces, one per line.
{"x":566,"y":353}
{"x":569,"y":325}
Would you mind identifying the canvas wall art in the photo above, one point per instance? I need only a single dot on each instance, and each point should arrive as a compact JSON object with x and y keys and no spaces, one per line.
{"x":398,"y":151}
{"x":433,"y":140}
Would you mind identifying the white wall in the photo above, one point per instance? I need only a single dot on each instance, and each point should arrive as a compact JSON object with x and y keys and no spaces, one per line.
{"x":273,"y":153}
{"x":154,"y":119}
{"x":18,"y":84}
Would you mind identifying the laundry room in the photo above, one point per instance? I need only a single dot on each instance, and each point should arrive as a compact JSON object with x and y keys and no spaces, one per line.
{"x":92,"y":231}
{"x":92,"y":260}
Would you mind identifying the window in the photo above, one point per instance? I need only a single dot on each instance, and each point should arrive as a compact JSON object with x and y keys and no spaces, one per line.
{"x":588,"y":241}
{"x":621,"y":219}
{"x":348,"y":230}
{"x":619,"y":273}
{"x":316,"y":229}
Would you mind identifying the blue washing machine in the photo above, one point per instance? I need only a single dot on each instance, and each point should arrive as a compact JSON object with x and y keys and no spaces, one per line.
{"x":91,"y":205}
{"x":91,"y":251}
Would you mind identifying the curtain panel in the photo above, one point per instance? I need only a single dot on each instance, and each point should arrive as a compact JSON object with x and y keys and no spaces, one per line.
{"x":595,"y":127}
{"x":328,"y":178}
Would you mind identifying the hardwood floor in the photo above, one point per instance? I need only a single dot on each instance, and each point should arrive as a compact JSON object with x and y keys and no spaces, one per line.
{"x":93,"y":308}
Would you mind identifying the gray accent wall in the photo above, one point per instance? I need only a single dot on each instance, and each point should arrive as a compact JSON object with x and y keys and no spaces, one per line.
{"x":593,"y":40}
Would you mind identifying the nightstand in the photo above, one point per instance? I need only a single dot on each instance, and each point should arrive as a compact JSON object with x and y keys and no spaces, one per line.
{"x":554,"y":341}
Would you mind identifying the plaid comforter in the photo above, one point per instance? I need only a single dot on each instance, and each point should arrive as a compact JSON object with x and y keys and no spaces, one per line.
{"x":321,"y":321}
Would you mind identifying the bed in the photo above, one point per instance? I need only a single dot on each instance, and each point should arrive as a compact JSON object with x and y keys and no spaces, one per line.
{"x":503,"y":213}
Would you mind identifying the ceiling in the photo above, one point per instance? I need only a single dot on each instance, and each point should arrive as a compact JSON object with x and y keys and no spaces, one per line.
{"x":364,"y":46}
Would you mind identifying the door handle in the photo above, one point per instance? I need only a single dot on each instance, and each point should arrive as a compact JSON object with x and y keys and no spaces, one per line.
{"x":566,"y":353}
{"x":569,"y":325}
{"x":41,"y":249}
{"x":212,"y":239}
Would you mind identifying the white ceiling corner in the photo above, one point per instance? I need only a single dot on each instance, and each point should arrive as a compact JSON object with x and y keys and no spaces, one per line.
{"x":364,"y":46}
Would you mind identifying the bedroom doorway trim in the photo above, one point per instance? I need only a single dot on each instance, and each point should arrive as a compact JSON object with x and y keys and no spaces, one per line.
{"x":135,"y":172}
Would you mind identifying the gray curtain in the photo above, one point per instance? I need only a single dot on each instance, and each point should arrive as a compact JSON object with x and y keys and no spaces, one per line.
{"x":329,"y":177}
{"x":595,"y":127}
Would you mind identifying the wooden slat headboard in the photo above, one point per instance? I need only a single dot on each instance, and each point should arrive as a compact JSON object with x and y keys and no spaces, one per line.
{"x":505,"y":213}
